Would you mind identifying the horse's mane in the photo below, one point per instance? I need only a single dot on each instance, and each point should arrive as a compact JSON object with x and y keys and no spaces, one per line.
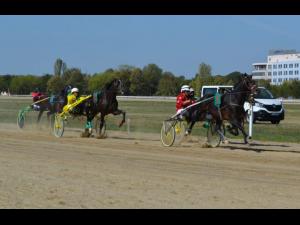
{"x":108,"y":85}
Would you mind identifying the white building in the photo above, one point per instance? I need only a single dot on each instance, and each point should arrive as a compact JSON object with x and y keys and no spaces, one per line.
{"x":282,"y":65}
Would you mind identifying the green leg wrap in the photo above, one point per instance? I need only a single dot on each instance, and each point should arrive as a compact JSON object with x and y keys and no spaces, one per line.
{"x":88,"y":125}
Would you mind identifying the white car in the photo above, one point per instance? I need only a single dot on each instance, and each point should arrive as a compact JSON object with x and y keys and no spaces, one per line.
{"x":266,"y":107}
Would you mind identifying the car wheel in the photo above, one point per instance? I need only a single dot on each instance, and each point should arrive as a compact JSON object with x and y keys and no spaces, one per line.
{"x":275,"y":121}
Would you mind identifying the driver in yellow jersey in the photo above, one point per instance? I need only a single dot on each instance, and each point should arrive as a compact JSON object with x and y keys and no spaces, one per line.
{"x":72,"y":98}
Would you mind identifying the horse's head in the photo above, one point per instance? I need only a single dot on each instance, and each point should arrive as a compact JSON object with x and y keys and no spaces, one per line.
{"x":249,"y":83}
{"x":246,"y":84}
{"x":116,"y":86}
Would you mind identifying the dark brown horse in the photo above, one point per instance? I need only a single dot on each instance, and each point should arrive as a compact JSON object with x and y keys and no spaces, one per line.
{"x":103,"y":103}
{"x":231,"y":108}
{"x":52,"y":104}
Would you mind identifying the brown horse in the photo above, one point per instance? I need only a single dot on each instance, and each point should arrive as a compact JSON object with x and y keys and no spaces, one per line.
{"x":230,"y":109}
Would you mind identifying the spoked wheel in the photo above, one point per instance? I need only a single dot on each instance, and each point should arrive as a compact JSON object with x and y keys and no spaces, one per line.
{"x":101,"y":133}
{"x":21,"y":120}
{"x":167,"y":133}
{"x":179,"y":131}
{"x":213,"y":137}
{"x":58,"y":126}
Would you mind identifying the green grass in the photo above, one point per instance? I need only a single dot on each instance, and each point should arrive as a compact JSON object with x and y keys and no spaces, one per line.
{"x":148,"y":116}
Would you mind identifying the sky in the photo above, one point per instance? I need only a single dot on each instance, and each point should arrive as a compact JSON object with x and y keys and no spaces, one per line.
{"x":178,"y":44}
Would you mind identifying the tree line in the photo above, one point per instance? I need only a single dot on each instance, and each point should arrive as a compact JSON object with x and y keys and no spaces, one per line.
{"x":147,"y":81}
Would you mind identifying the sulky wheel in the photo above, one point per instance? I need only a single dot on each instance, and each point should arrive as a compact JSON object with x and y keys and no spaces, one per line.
{"x":167,"y":134}
{"x":21,"y":119}
{"x":58,"y":126}
{"x":179,"y":131}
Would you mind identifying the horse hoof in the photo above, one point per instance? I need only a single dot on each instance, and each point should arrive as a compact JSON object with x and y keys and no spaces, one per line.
{"x":225,"y":142}
{"x":100,"y":136}
{"x":206,"y":145}
{"x":85,"y":135}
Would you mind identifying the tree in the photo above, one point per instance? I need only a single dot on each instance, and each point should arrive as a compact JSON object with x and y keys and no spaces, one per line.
{"x":55,"y":84}
{"x":152,"y":74}
{"x":98,"y":80}
{"x":59,"y":67}
{"x":137,"y":82}
{"x":75,"y":78}
{"x":204,"y":70}
{"x":233,"y":78}
{"x":24,"y":84}
{"x":168,"y":85}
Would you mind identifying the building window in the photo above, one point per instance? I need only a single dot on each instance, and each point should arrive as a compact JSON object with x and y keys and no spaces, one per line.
{"x":279,"y":66}
{"x":296,"y":65}
{"x":291,"y":72}
{"x":296,"y":72}
{"x":280,"y":73}
{"x":269,"y":73}
{"x":275,"y":73}
{"x":274,"y":80}
{"x":274,"y":66}
{"x":291,"y":65}
{"x":285,"y":66}
{"x":269,"y":67}
{"x":285,"y":72}
{"x":279,"y":80}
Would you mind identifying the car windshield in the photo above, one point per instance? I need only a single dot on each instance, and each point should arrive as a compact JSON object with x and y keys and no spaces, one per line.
{"x":209,"y":91}
{"x":263,"y":94}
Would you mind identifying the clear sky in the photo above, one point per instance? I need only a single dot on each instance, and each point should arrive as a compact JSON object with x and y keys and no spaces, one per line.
{"x":30,"y":44}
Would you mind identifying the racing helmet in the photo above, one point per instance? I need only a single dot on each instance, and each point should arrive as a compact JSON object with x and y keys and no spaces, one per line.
{"x":74,"y":90}
{"x":185,"y":88}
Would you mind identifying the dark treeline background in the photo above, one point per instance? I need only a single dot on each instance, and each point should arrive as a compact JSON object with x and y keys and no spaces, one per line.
{"x":147,"y":81}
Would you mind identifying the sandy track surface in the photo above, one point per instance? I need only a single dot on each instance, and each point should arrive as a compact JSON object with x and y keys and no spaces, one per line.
{"x":38,"y":170}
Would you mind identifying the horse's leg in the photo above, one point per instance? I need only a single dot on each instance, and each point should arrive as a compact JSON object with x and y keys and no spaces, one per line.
{"x":118,"y":112}
{"x":189,"y":130}
{"x":39,"y":116}
{"x":241,"y":128}
{"x":101,"y":126}
{"x":219,"y":131}
{"x":88,"y":127}
{"x":48,"y":117}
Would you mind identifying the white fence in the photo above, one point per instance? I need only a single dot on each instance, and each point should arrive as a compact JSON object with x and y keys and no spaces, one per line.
{"x":146,"y":98}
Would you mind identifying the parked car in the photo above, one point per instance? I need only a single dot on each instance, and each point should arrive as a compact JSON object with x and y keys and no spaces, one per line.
{"x":266,"y":107}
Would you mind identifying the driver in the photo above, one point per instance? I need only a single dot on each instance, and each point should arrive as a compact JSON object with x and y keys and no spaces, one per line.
{"x":72,"y":98}
{"x":183,"y":100}
{"x":36,"y":96}
{"x":192,"y":96}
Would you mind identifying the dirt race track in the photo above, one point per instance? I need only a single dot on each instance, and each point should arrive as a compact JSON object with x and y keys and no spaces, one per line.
{"x":38,"y":170}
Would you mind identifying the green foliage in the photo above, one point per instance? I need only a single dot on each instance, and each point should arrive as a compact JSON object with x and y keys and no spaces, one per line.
{"x":77,"y":79}
{"x":137,"y":82}
{"x":97,"y":81}
{"x":152,"y":74}
{"x":24,"y":85}
{"x":204,"y":70}
{"x":55,"y":84}
{"x":151,"y":80}
{"x":168,"y":85}
{"x":59,"y":67}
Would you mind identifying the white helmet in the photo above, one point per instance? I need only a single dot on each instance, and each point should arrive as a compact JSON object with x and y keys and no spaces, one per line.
{"x":74,"y":90}
{"x":192,"y":90}
{"x":185,"y":88}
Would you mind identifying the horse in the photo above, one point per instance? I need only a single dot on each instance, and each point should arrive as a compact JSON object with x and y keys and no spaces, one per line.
{"x":101,"y":103}
{"x":230,"y":109}
{"x":53,"y":104}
